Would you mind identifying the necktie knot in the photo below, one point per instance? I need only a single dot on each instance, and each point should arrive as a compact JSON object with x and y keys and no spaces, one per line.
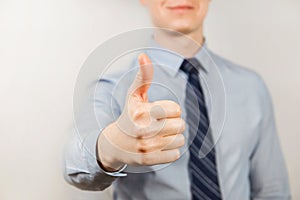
{"x":190,"y":66}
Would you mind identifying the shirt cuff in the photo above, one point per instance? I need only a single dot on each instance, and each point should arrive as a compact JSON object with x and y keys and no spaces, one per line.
{"x":117,"y":173}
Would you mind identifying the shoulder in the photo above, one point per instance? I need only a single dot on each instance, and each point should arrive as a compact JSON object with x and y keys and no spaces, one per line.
{"x":237,"y":73}
{"x":233,"y":69}
{"x":241,"y":80}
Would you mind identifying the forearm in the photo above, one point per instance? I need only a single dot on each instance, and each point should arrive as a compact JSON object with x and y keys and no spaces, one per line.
{"x":81,"y":168}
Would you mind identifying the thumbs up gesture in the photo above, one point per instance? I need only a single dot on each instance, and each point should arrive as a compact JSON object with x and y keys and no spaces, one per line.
{"x":146,"y":133}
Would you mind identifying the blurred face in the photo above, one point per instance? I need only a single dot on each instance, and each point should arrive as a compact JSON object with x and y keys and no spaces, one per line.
{"x":185,"y":16}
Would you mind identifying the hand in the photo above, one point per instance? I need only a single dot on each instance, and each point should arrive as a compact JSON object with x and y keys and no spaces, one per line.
{"x":146,"y":133}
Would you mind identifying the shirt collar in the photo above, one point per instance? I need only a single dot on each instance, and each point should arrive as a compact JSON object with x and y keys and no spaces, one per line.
{"x":171,"y":61}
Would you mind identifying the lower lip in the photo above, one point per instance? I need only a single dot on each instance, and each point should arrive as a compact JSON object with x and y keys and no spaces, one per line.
{"x":181,"y":9}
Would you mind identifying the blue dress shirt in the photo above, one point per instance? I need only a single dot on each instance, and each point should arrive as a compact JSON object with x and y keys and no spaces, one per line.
{"x":248,"y":155}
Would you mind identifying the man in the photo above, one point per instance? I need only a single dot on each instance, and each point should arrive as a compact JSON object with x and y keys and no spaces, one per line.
{"x":244,"y":161}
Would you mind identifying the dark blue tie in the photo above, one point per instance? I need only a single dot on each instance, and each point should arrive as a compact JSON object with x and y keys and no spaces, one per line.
{"x":203,"y":171}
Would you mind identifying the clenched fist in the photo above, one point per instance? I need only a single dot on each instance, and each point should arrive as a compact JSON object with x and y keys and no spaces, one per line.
{"x":146,"y":133}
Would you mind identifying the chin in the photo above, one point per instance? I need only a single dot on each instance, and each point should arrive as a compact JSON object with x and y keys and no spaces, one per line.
{"x":182,"y":28}
{"x":182,"y":25}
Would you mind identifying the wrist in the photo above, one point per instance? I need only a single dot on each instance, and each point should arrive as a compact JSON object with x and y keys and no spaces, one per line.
{"x":105,"y":157}
{"x":109,"y":166}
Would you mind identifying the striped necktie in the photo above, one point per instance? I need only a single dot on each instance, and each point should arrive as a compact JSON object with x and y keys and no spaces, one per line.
{"x":202,"y":171}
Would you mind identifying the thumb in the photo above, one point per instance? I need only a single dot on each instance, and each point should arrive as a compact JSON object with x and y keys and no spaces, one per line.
{"x":143,"y":79}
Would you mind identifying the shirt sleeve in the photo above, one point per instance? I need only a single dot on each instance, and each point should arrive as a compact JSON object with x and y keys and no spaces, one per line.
{"x":81,"y":168}
{"x":268,"y":174}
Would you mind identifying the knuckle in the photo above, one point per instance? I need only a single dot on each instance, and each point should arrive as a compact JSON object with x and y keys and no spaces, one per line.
{"x":137,"y":131}
{"x":163,"y":143}
{"x":145,"y":160}
{"x":155,"y":107}
{"x":142,"y":150}
{"x":183,"y":125}
{"x":179,"y":124}
{"x":146,"y":145}
{"x":138,"y":113}
{"x":176,"y":154}
{"x":178,"y":110}
{"x":140,"y":132}
{"x":142,"y":146}
{"x":177,"y":107}
{"x":181,"y":140}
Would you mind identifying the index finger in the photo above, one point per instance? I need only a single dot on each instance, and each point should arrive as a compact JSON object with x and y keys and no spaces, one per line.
{"x":165,"y":109}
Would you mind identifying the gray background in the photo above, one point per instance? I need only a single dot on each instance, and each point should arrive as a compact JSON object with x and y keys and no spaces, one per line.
{"x":44,"y":43}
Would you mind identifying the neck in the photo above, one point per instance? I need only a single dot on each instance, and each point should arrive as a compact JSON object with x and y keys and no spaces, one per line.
{"x":186,"y":45}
